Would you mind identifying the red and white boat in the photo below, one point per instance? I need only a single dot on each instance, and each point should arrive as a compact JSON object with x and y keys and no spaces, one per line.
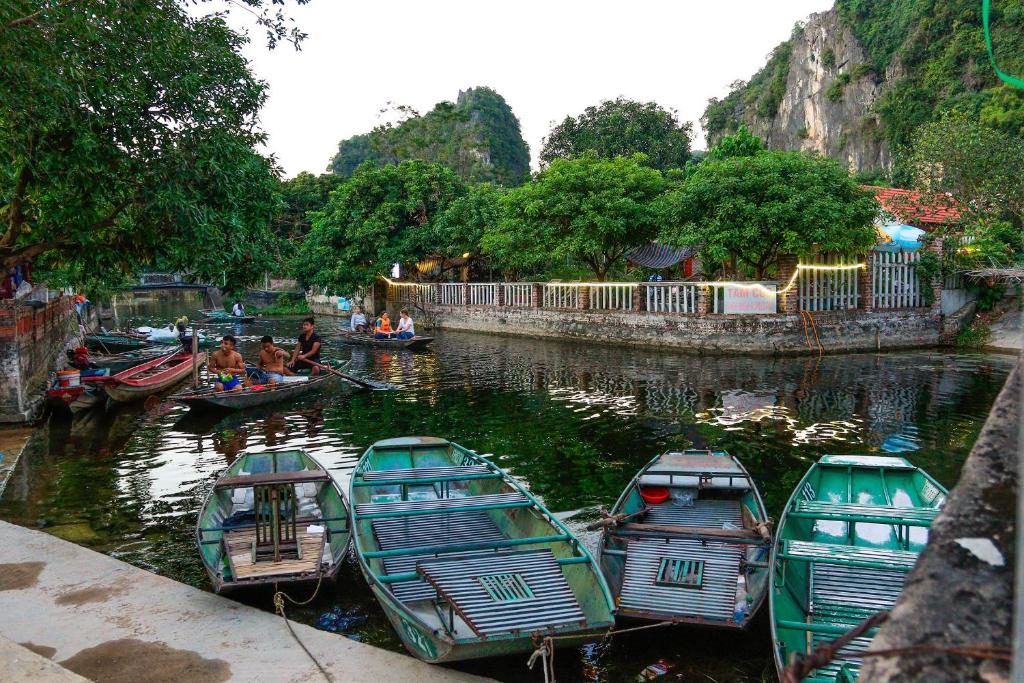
{"x":152,"y":377}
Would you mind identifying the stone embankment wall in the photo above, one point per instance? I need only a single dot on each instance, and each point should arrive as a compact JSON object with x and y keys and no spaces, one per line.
{"x":961,"y":592}
{"x":758,"y":334}
{"x":32,"y":342}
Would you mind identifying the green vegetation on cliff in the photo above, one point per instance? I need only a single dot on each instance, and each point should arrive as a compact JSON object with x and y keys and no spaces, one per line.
{"x":477,"y":137}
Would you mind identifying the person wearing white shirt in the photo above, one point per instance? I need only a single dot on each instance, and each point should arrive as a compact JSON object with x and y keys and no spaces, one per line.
{"x":405,"y":326}
{"x":358,"y":321}
{"x":238,"y":310}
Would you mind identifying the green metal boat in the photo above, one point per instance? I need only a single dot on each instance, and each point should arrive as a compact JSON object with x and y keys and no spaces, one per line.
{"x":272,"y":518}
{"x":463,"y":560}
{"x":114,"y":343}
{"x":688,"y":541}
{"x":850,"y":532}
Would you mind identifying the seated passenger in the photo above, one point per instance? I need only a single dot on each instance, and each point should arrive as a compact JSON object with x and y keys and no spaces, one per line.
{"x":227,"y":366}
{"x":270,"y":367}
{"x":405,"y":326}
{"x":383,"y":330}
{"x":358,"y":322}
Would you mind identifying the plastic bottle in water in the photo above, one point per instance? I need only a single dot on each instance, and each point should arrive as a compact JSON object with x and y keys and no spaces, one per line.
{"x":741,"y":611}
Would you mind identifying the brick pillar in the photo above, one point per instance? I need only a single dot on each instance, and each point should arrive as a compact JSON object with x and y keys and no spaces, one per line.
{"x":583,"y":302}
{"x":867,"y":294}
{"x":536,"y":295}
{"x":499,"y":295}
{"x":936,"y":247}
{"x":703,"y":299}
{"x":640,"y":297}
{"x":791,"y":299}
{"x":465,"y":293}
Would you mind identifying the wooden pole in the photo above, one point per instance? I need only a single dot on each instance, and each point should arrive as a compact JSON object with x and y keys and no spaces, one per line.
{"x":195,"y":355}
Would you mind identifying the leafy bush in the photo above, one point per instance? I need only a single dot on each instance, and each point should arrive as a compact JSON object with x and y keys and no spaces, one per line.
{"x":862,"y":70}
{"x":828,"y":58}
{"x":974,"y":336}
{"x":834,"y":91}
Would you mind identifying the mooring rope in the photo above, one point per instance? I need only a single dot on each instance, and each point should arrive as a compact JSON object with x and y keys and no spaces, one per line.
{"x":279,"y":598}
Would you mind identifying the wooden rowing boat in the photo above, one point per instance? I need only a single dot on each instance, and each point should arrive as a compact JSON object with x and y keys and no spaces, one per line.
{"x":688,"y":541}
{"x":206,"y":398}
{"x":150,"y":377}
{"x":850,"y":532}
{"x":225,"y":316}
{"x":272,"y":518}
{"x":114,"y":343}
{"x":465,"y":562}
{"x":361,"y":339}
{"x":116,"y":362}
{"x":78,"y":399}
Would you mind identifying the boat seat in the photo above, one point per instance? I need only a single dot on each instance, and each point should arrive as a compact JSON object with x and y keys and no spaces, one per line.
{"x":690,"y":480}
{"x":849,"y":556}
{"x":519,"y":592}
{"x":426,"y":472}
{"x":714,"y":597}
{"x":877,"y":514}
{"x":703,"y":513}
{"x":410,"y":508}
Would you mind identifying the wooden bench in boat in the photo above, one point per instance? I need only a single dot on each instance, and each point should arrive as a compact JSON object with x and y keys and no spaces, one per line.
{"x":239,"y":548}
{"x":411,"y":508}
{"x":426,"y":475}
{"x":519,"y":592}
{"x":848,"y":556}
{"x":662,"y":530}
{"x":269,"y":478}
{"x":876,"y":514}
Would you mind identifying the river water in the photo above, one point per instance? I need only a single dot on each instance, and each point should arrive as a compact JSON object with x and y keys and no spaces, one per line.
{"x":572,"y":421}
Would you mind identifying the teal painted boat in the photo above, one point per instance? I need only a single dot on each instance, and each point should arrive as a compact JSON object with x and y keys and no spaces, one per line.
{"x":850,"y":532}
{"x":216,"y":315}
{"x":272,"y":518}
{"x":114,"y":343}
{"x":688,"y":541}
{"x":465,"y":562}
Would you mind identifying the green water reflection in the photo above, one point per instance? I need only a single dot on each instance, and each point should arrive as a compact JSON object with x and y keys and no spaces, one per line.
{"x":573,"y":422}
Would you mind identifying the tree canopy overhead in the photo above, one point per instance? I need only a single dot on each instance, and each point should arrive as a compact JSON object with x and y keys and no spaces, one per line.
{"x":622,"y":127}
{"x":127,"y":135}
{"x":594,"y":210}
{"x":752,"y":209}
{"x":379,"y":217}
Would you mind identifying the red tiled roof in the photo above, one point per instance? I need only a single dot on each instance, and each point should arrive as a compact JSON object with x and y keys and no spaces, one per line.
{"x":916,"y":208}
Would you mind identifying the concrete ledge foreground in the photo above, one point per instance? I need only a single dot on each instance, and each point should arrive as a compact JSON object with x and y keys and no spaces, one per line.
{"x":106,"y":620}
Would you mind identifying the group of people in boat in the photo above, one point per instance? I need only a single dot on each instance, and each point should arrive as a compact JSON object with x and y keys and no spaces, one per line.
{"x":273,"y":363}
{"x":381,"y":328}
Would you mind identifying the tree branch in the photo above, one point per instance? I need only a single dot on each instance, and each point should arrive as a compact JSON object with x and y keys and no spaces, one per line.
{"x":13,"y":256}
{"x":15,"y":211}
{"x":32,"y":18}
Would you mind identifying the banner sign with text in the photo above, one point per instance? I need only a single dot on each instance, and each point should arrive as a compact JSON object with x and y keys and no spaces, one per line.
{"x":750,"y":300}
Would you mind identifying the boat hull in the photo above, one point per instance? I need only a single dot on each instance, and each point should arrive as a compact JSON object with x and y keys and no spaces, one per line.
{"x":241,"y":400}
{"x":114,"y":344}
{"x":417,"y":342}
{"x":124,"y":389}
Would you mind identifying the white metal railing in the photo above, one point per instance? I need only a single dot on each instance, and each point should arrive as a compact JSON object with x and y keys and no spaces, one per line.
{"x":561,"y":296}
{"x":453,"y":294}
{"x":894,"y":279}
{"x":410,"y":292}
{"x":671,"y":297}
{"x":828,"y":290}
{"x":485,"y":294}
{"x":517,"y":294}
{"x":611,"y":297}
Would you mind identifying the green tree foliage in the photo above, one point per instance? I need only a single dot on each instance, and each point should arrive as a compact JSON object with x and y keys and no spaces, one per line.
{"x":378,"y":217}
{"x":741,"y":144}
{"x":622,"y":127}
{"x":300,"y":195}
{"x":126,"y":139}
{"x":461,"y":227}
{"x":591,"y":209}
{"x":478,"y":137}
{"x":981,"y":167}
{"x":750,"y":210}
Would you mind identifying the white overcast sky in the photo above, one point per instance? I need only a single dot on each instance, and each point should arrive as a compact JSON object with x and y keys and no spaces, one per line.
{"x":547,"y":59}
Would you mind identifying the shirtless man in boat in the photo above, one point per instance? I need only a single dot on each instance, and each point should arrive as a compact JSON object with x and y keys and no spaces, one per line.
{"x":227,"y":365}
{"x":270,"y":368}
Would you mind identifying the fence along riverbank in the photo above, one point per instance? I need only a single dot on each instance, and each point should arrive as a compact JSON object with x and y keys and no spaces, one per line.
{"x":826,"y":304}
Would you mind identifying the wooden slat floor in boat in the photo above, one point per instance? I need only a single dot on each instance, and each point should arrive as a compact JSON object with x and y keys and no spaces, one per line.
{"x":845,"y":596}
{"x":515,"y":498}
{"x":425,"y":472}
{"x":715,"y":599}
{"x":703,"y":513}
{"x":239,"y":544}
{"x":551,"y":605}
{"x":450,"y":528}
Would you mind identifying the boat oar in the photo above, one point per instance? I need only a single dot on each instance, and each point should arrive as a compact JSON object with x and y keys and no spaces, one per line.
{"x":363,"y":384}
{"x":615,"y":520}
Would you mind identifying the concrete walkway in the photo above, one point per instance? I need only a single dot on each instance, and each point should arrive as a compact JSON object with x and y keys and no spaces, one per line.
{"x":1007,"y":335}
{"x":12,"y":443}
{"x":109,"y":621}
